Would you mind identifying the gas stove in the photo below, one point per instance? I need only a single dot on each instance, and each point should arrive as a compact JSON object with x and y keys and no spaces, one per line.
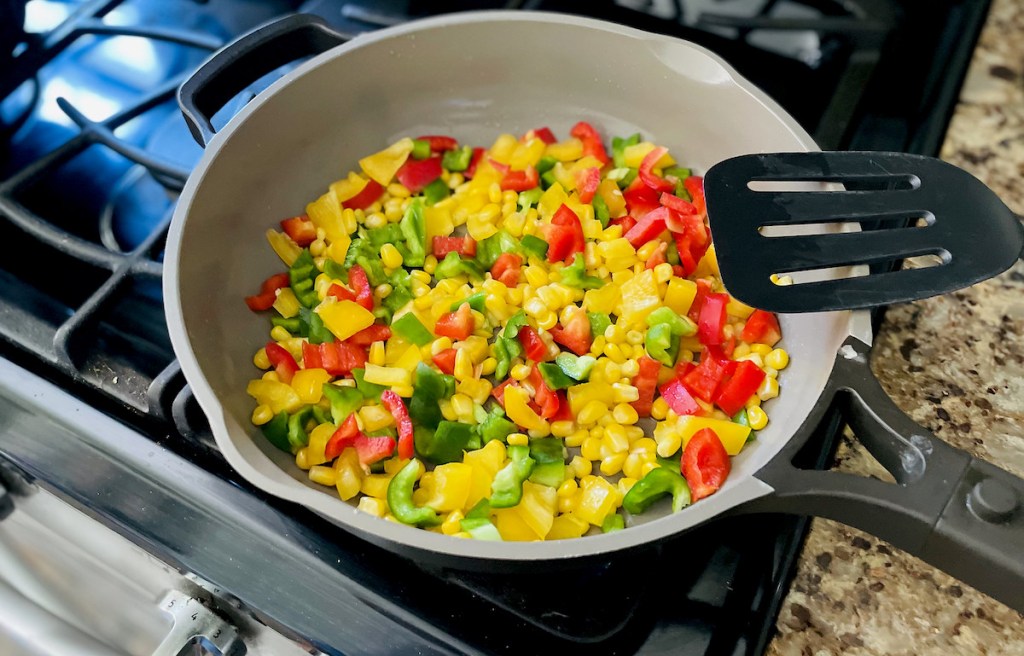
{"x":96,"y":417}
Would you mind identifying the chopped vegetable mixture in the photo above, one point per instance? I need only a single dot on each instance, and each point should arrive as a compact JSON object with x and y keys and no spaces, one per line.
{"x":471,"y":340}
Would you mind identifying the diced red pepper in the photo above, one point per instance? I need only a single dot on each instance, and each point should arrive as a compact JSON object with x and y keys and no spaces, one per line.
{"x":762,"y":327}
{"x":575,"y":336}
{"x":735,"y":392}
{"x":704,"y":464}
{"x":561,"y":241}
{"x":533,"y":345}
{"x":646,"y":383}
{"x":498,"y":166}
{"x":712,"y":319}
{"x":457,"y":325}
{"x":684,"y":367}
{"x":520,"y":180}
{"x":627,"y":222}
{"x":646,"y":171}
{"x":360,"y":283}
{"x":416,"y":174}
{"x":311,"y":356}
{"x":679,"y":398}
{"x":564,"y":216}
{"x":342,"y":438}
{"x":375,"y":333}
{"x":340,"y":358}
{"x":544,"y":134}
{"x":465,"y":246}
{"x":445,"y":360}
{"x":506,"y":269}
{"x":587,"y":182}
{"x":282,"y":361}
{"x":592,"y":145}
{"x":640,"y":199}
{"x":300,"y":229}
{"x":473,"y":162}
{"x":703,"y":381}
{"x":498,"y":392}
{"x":695,"y":187}
{"x":396,"y":407}
{"x":374,"y":449}
{"x":366,"y":197}
{"x":564,"y":409}
{"x":439,"y":143}
{"x":268,"y":292}
{"x":658,"y":256}
{"x":703,"y":289}
{"x":677,"y":204}
{"x":340,"y":293}
{"x":647,"y":228}
{"x":547,"y":401}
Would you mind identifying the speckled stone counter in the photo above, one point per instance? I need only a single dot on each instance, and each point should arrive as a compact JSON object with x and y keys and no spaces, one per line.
{"x":956,"y":365}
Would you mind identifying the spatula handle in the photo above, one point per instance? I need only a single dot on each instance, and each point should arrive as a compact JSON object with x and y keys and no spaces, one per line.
{"x":961,"y":514}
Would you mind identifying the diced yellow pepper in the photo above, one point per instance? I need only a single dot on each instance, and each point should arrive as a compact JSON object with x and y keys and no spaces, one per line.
{"x":438,"y":222}
{"x":286,"y":304}
{"x":633,"y":156}
{"x":449,"y":486}
{"x":680,"y":294}
{"x":338,"y":249}
{"x":565,"y":151}
{"x":345,"y":318}
{"x":732,"y":435}
{"x":708,"y":265}
{"x":563,"y":176}
{"x":537,"y":507}
{"x":639,"y":297}
{"x":605,"y":299}
{"x":410,"y":358}
{"x":283,"y":245}
{"x":376,"y":485}
{"x":375,"y":417}
{"x":503,"y":147}
{"x":567,"y":526}
{"x":613,"y":198}
{"x":526,"y":154}
{"x":349,"y":187}
{"x":582,"y":394}
{"x":349,"y":481}
{"x":325,"y":212}
{"x":279,"y":396}
{"x":387,"y":376}
{"x":309,"y":384}
{"x":518,"y":410}
{"x":511,"y":526}
{"x":486,"y":462}
{"x":383,"y":165}
{"x":317,"y":443}
{"x":551,"y":200}
{"x":737,"y":308}
{"x":598,"y":498}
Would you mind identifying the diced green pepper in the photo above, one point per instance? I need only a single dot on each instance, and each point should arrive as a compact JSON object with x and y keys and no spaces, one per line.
{"x":453,"y":265}
{"x":547,"y":178}
{"x":291,"y":324}
{"x":476,"y":301}
{"x":276,"y":431}
{"x":554,"y":377}
{"x":545,"y":164}
{"x":297,"y":436}
{"x":420,"y":149}
{"x":576,"y":367}
{"x":680,"y":174}
{"x":436,"y":191}
{"x":344,"y":401}
{"x":507,"y":487}
{"x":534,"y":246}
{"x":679,"y":325}
{"x":599,"y":322}
{"x":601,"y":212}
{"x":480,"y":528}
{"x":549,"y":454}
{"x":312,"y":327}
{"x":657,"y":483}
{"x":488,"y":250}
{"x":672,"y":254}
{"x":335,"y":270}
{"x":389,"y":234}
{"x":622,"y":176}
{"x":619,"y":147}
{"x":445,"y":444}
{"x":415,"y":232}
{"x":529,"y":198}
{"x":742,"y":419}
{"x":575,"y":275}
{"x":661,"y":344}
{"x":400,"y":501}
{"x":612,"y":523}
{"x":496,"y":426}
{"x":457,"y":160}
{"x":412,"y":329}
{"x":370,"y":391}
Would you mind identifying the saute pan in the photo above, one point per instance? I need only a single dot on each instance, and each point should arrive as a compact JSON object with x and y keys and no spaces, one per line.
{"x":473,"y":75}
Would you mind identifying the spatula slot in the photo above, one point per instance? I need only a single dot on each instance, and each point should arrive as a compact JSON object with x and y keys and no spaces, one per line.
{"x":807,"y":181}
{"x":849,"y":269}
{"x":875,"y":222}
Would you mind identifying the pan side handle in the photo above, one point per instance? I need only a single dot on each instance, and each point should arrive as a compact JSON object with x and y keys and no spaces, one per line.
{"x":245,"y":60}
{"x":961,"y":514}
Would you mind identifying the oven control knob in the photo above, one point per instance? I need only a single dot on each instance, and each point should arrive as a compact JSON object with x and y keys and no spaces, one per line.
{"x":196,"y":626}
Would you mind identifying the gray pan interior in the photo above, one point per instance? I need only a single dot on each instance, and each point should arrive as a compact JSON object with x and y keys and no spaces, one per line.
{"x":471,"y":75}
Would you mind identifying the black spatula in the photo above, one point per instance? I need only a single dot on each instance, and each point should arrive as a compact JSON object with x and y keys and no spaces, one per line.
{"x":953,"y":217}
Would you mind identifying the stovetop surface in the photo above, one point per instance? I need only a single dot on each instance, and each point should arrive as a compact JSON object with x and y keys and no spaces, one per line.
{"x":95,"y":151}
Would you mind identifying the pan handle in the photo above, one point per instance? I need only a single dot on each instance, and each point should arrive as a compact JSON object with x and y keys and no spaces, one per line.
{"x":245,"y":60}
{"x":961,"y":514}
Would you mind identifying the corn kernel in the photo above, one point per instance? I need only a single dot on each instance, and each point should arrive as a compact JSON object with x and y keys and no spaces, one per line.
{"x":375,"y":220}
{"x":547,"y":321}
{"x":447,"y":411}
{"x":757,"y":418}
{"x":591,"y":412}
{"x":742,"y":349}
{"x":771,"y":372}
{"x":494,"y":193}
{"x":462,"y":405}
{"x":612,"y":464}
{"x":753,"y":402}
{"x":580,"y":466}
{"x":518,"y":439}
{"x":452,"y":524}
{"x":568,"y":504}
{"x":614,"y":334}
{"x":614,"y":353}
{"x":647,"y":250}
{"x":591,"y":448}
{"x":663,"y":272}
{"x":777,"y":359}
{"x":616,"y":439}
{"x":625,"y":414}
{"x":376,"y":355}
{"x":597,"y":432}
{"x":279,"y":334}
{"x":430,"y":264}
{"x":568,"y":488}
{"x":302,"y":459}
{"x":559,"y":428}
{"x":323,"y":475}
{"x":488,"y":366}
{"x":625,"y":483}
{"x":375,"y":507}
{"x":761,"y":349}
{"x":630,"y":368}
{"x":625,"y":393}
{"x":271,"y":376}
{"x":632,"y":466}
{"x":463,"y":365}
{"x":751,"y":357}
{"x":576,"y":439}
{"x":659,"y":410}
{"x":520,"y":371}
{"x":261,"y":360}
{"x":769,"y":389}
{"x":261,"y":414}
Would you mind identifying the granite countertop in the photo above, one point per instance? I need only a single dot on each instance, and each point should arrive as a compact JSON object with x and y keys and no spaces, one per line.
{"x":955,"y":364}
